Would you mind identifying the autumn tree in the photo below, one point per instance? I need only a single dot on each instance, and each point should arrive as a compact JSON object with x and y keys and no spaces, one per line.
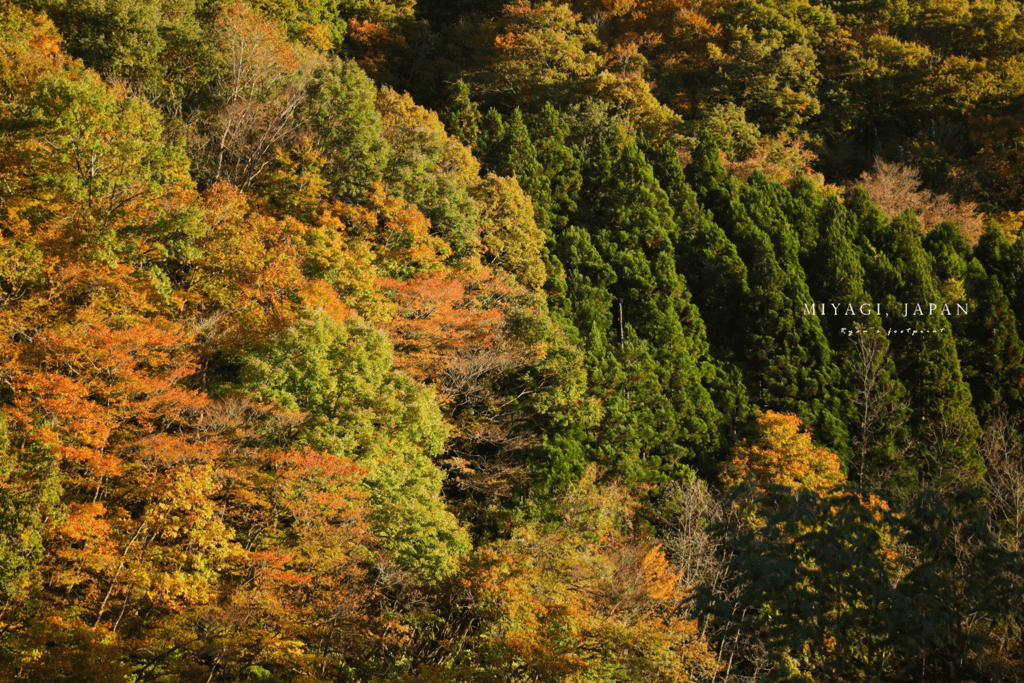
{"x":784,"y":455}
{"x":591,"y":597}
{"x":541,"y":50}
{"x":431,"y":170}
{"x":262,"y":80}
{"x":897,"y":187}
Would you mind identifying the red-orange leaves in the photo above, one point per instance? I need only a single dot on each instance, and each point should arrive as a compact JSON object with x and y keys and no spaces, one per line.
{"x":317,"y":486}
{"x":437,"y":317}
{"x":55,"y":411}
{"x":95,"y":390}
{"x":659,"y":581}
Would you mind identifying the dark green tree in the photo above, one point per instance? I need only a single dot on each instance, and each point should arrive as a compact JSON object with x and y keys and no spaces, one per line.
{"x":714,"y":273}
{"x":1005,"y":261}
{"x":463,"y":115}
{"x":560,"y":162}
{"x":490,"y":146}
{"x":991,"y":352}
{"x":949,"y":251}
{"x":943,"y":420}
{"x":873,"y":401}
{"x":708,"y":177}
{"x":788,"y":365}
{"x":630,"y":225}
{"x":803,"y":208}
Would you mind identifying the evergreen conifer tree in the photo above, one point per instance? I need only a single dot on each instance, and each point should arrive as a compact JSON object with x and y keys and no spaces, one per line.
{"x":708,"y":176}
{"x":630,"y":224}
{"x":993,"y":251}
{"x":992,"y":355}
{"x":785,"y":358}
{"x":949,"y":251}
{"x":943,"y":420}
{"x":872,"y":399}
{"x":789,"y":364}
{"x":716,"y":278}
{"x":560,"y":163}
{"x":464,"y":116}
{"x":704,"y":254}
{"x":1005,"y":261}
{"x":803,"y":209}
{"x":490,"y":149}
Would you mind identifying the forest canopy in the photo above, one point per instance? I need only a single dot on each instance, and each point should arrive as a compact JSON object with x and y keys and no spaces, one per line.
{"x":406,"y":340}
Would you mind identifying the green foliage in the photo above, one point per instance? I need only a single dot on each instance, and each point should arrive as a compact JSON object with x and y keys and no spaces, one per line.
{"x":463,"y":115}
{"x":992,"y":356}
{"x":943,"y":418}
{"x":315,"y":22}
{"x":727,"y":123}
{"x":121,"y":35}
{"x":511,"y":238}
{"x":105,"y":155}
{"x":873,"y":409}
{"x":161,"y":48}
{"x":632,"y":230}
{"x":560,"y":164}
{"x":771,"y":63}
{"x":339,"y":377}
{"x":714,"y":274}
{"x":430,"y":170}
{"x":340,"y":112}
{"x":29,"y":496}
{"x":298,"y":384}
{"x":784,"y":356}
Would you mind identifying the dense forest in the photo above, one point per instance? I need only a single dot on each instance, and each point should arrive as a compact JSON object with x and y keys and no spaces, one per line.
{"x":454,"y":340}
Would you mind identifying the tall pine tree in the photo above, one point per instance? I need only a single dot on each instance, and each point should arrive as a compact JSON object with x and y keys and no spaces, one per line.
{"x":714,"y":273}
{"x":872,"y":399}
{"x":790,"y":367}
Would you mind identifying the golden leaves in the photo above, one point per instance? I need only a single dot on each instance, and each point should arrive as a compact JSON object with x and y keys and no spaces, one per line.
{"x":783,"y":454}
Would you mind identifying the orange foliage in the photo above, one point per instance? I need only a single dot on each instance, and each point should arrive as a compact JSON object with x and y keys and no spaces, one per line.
{"x":586,"y":596}
{"x":783,"y":454}
{"x":375,"y":45}
{"x":248,"y":270}
{"x":439,"y":317}
{"x":398,"y":234}
{"x":650,"y":22}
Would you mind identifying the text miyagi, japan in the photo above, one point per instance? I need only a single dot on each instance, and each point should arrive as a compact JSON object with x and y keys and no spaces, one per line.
{"x":909,"y":309}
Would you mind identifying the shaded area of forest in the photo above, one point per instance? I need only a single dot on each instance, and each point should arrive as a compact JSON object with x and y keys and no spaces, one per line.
{"x":307,"y":378}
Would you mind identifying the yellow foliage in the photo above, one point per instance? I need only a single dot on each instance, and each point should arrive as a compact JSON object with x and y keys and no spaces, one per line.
{"x":783,"y":454}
